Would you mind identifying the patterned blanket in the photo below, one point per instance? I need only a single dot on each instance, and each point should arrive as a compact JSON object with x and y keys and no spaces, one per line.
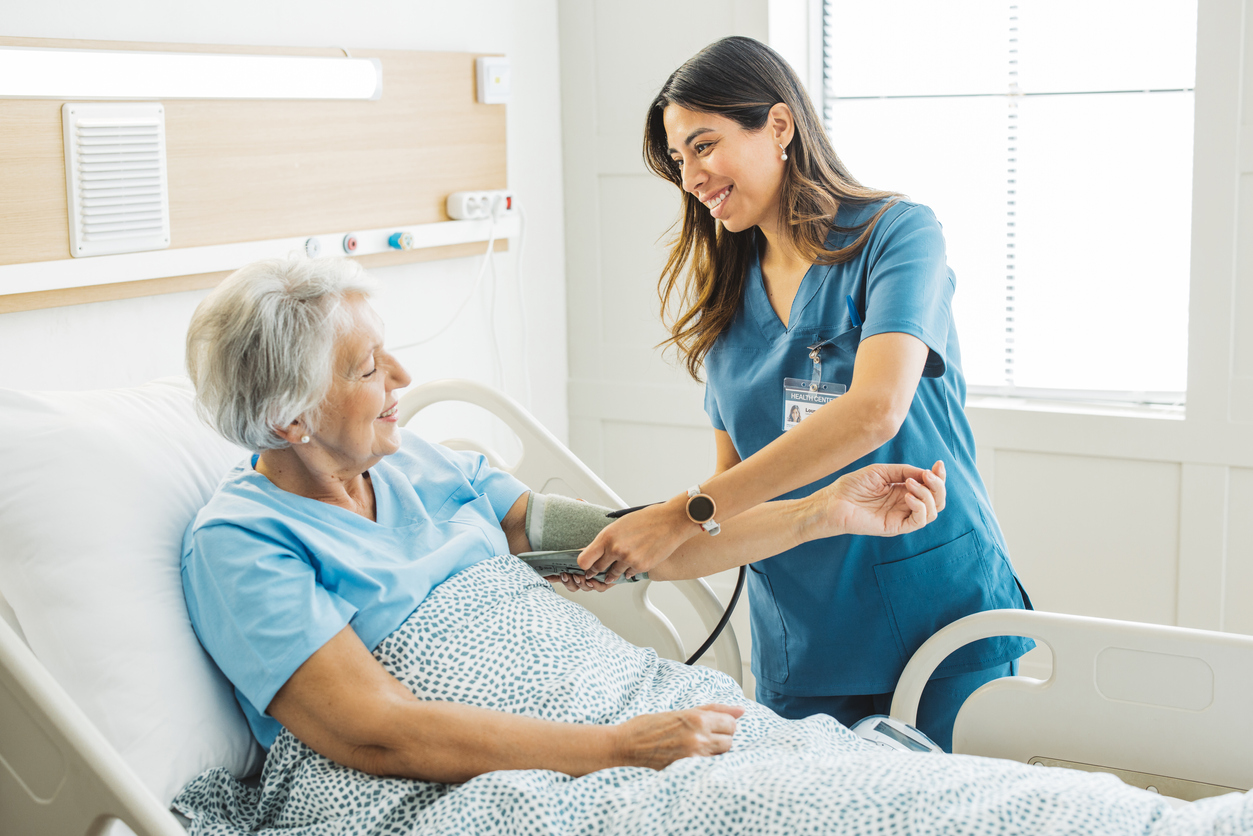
{"x":498,"y":636}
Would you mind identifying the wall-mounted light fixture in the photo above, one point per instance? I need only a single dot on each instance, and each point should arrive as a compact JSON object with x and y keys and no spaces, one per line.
{"x":36,"y":73}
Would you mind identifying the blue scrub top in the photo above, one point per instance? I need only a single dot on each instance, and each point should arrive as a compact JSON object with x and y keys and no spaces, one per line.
{"x":843,"y":615}
{"x":270,"y":576}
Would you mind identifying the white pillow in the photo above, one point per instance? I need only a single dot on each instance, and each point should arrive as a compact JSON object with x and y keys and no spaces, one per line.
{"x":97,"y":490}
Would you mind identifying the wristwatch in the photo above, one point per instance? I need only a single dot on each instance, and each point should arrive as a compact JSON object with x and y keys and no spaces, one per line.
{"x":701,"y":509}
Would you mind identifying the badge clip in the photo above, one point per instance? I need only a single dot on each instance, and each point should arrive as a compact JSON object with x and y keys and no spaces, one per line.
{"x":815,"y":354}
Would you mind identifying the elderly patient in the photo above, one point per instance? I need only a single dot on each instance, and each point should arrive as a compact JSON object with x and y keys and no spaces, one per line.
{"x":322,"y":544}
{"x":408,"y":674}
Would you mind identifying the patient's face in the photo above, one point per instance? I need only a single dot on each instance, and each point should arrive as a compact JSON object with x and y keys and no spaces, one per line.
{"x":358,"y":423}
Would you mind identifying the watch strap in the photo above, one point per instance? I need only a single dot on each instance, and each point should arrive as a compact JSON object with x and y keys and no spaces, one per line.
{"x":711,"y":526}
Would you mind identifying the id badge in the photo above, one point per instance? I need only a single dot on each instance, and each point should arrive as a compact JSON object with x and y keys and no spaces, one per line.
{"x":802,"y":398}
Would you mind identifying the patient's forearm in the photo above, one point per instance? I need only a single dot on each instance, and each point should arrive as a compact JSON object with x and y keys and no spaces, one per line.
{"x":452,"y":743}
{"x":343,"y":704}
{"x":760,"y":532}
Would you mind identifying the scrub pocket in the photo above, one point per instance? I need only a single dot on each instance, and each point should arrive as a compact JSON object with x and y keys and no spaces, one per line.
{"x":849,"y":340}
{"x":768,"y":634}
{"x":929,"y":591}
{"x":844,"y":356}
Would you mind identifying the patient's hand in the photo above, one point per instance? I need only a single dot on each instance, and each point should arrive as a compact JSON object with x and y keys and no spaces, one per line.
{"x":578,"y":583}
{"x":881,"y":500}
{"x":658,"y":740}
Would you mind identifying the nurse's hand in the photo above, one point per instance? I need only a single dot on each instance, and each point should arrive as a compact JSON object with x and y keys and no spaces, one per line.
{"x":640,"y":540}
{"x":880,"y":500}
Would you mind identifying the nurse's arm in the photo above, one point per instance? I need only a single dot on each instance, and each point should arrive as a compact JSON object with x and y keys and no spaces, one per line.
{"x":885,"y":378}
{"x":877,"y":500}
{"x":344,"y":705}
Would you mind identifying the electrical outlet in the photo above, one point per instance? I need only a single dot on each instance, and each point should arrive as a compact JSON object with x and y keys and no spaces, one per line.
{"x":464,"y":206}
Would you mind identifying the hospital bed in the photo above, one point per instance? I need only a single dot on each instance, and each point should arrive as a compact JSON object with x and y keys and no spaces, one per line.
{"x":1166,"y":707}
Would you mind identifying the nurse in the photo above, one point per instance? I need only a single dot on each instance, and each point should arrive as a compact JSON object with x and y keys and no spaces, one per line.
{"x":821,"y":314}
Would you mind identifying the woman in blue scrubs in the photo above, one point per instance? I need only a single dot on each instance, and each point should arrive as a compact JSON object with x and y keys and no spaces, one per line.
{"x":821,"y":314}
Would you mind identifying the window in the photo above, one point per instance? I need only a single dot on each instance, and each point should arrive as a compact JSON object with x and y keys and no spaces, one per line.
{"x":1053,"y":140}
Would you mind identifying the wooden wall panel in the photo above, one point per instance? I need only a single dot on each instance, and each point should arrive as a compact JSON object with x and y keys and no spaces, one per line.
{"x":256,"y":170}
{"x":34,"y":225}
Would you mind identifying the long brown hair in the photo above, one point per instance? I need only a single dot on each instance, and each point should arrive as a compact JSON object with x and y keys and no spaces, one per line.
{"x":741,"y":79}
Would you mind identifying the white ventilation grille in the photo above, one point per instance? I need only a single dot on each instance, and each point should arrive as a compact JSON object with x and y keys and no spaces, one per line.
{"x":115,"y":178}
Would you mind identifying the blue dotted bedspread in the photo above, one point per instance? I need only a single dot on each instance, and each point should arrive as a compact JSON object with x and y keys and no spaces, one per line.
{"x":497,"y":636}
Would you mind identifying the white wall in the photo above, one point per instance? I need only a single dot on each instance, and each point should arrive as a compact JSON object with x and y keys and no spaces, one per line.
{"x":130,"y":341}
{"x":634,"y":417}
{"x":1115,"y":515}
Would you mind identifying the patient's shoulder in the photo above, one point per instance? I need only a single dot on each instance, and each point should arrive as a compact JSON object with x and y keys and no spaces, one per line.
{"x":243,"y":496}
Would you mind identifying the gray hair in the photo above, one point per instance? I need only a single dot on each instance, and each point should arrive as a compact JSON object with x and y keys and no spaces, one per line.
{"x":261,"y":345}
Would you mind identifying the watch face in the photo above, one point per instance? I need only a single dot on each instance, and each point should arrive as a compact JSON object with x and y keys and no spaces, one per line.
{"x":700,"y":508}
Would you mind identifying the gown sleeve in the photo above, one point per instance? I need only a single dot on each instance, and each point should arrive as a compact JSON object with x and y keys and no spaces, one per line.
{"x":257,"y":607}
{"x":501,"y":488}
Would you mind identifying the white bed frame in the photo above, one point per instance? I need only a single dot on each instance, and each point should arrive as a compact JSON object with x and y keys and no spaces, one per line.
{"x":59,"y":776}
{"x":1166,"y":709}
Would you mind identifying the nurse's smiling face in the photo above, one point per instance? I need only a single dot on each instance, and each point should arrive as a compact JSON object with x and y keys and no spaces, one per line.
{"x":736,"y":173}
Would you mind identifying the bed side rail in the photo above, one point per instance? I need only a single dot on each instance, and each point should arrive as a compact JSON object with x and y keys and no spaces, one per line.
{"x":1144,"y":701}
{"x":545,"y":461}
{"x":58,"y":774}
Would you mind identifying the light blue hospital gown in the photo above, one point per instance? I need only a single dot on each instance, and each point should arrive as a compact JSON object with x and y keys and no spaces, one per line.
{"x":496,"y":635}
{"x":270,"y":576}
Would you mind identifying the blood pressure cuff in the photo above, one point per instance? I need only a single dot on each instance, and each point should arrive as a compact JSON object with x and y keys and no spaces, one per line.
{"x":555,"y":523}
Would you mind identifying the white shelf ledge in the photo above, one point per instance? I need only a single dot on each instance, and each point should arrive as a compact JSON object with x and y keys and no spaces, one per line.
{"x":190,"y":261}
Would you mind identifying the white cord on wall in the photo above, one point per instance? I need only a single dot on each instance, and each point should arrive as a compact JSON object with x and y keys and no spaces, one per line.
{"x":526,"y":363}
{"x":489,"y":262}
{"x":491,"y":242}
{"x":498,"y":365}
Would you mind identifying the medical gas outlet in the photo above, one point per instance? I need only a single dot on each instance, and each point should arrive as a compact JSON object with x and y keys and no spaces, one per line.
{"x":400,"y":241}
{"x":465,"y":206}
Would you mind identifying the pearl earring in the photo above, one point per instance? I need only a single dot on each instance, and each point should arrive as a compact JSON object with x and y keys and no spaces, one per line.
{"x":304,"y":439}
{"x":784,"y":150}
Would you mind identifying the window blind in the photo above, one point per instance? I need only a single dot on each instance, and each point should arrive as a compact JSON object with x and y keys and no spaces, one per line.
{"x":1053,"y":140}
